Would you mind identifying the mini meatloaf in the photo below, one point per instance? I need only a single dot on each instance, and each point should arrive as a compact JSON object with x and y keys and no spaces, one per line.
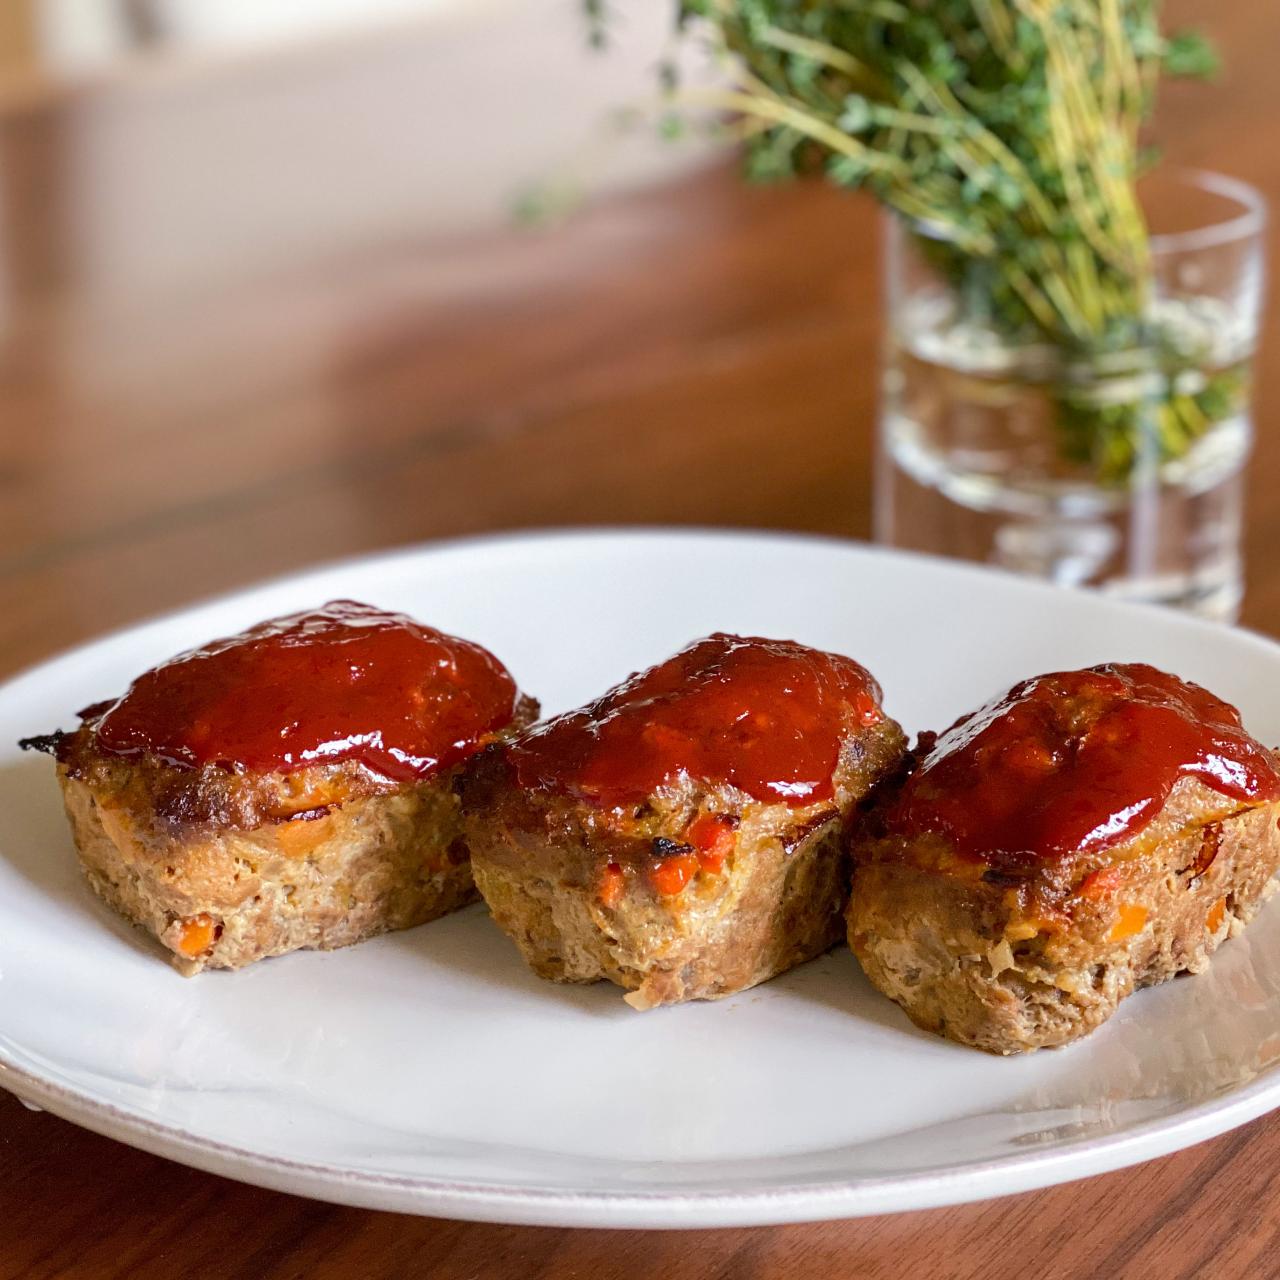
{"x":1087,"y":834}
{"x":289,"y":787}
{"x":682,"y":836}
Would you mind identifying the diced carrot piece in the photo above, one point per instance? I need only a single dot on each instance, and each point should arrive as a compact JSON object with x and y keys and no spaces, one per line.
{"x":1129,"y":922}
{"x":1098,"y":884}
{"x":1210,"y":842}
{"x":672,"y":874}
{"x":611,"y":885}
{"x":713,"y":837}
{"x":299,"y":836}
{"x":195,"y":937}
{"x":1213,"y":921}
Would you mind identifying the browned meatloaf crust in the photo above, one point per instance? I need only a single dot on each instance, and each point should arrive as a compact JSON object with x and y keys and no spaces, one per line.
{"x":225,"y":867}
{"x":695,"y":892}
{"x":1009,"y":957}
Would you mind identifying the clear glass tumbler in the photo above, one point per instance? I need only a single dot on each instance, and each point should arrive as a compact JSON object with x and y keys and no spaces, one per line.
{"x":1000,"y":452}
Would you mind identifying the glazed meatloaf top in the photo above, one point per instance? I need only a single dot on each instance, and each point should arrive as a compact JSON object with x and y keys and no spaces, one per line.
{"x":728,"y":723}
{"x":292,"y":717}
{"x":1071,"y":771}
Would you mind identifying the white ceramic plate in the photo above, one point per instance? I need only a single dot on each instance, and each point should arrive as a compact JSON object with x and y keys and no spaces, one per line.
{"x":429,"y":1072}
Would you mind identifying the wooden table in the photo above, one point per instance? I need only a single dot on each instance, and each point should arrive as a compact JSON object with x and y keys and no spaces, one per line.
{"x":699,"y":354}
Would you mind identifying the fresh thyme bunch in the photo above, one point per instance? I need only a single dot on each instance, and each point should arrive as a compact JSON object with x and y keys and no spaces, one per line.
{"x":1006,"y":134}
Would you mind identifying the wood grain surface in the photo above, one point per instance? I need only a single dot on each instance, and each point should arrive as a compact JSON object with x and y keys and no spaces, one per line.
{"x":702,"y":353}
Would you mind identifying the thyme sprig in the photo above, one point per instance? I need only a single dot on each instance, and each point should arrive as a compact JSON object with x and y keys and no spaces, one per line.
{"x":1006,"y":134}
{"x":1007,"y":129}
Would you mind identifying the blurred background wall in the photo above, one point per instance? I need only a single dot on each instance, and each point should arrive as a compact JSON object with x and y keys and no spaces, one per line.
{"x":226,"y":136}
{"x":263,"y":301}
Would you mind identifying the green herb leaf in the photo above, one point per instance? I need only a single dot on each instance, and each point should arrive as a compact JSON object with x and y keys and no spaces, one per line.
{"x":1007,"y":128}
{"x":1188,"y":53}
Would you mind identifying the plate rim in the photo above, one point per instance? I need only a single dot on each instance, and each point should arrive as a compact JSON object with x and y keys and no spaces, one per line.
{"x":681,"y":1208}
{"x":653,"y":1210}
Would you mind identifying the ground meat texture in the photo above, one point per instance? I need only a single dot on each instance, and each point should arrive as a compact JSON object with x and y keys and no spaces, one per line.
{"x":226,"y":853}
{"x":221,"y":897}
{"x":707,"y":881}
{"x":1016,"y":943}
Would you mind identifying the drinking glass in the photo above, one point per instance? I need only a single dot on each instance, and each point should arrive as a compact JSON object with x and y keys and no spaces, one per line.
{"x":1121,"y":471}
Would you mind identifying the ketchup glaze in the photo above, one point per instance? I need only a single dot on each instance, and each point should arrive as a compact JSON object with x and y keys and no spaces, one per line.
{"x":1076,"y":762}
{"x":344,"y":682}
{"x":767,"y":716}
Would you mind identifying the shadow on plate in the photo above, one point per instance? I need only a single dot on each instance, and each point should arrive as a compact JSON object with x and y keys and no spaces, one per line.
{"x":836,"y":979}
{"x":35,"y":842}
{"x":469,"y":943}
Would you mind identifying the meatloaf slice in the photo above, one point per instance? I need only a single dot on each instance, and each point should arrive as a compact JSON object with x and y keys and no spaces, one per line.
{"x":683,"y":835}
{"x":290,"y":787}
{"x":1088,"y":834}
